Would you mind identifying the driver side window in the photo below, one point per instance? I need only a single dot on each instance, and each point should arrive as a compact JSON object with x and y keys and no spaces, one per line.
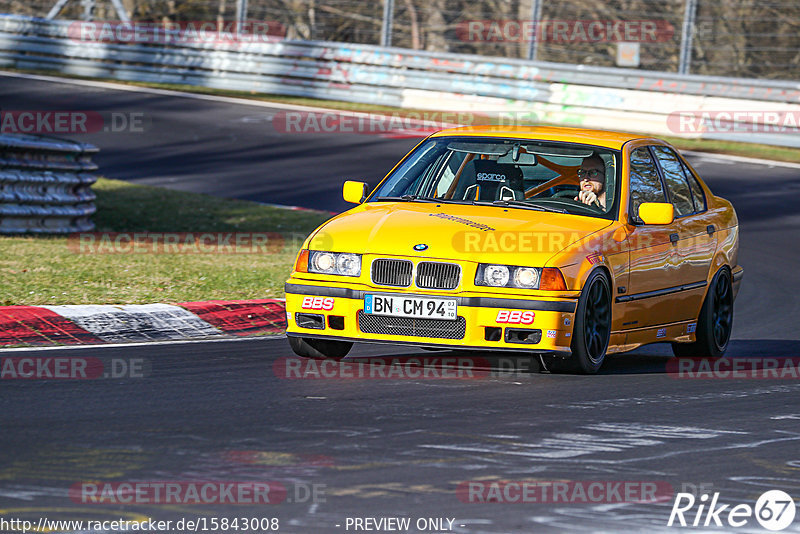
{"x":645,"y":185}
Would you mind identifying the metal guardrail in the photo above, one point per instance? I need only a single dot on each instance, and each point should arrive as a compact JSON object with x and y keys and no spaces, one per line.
{"x":373,"y":65}
{"x":45,"y":185}
{"x":557,"y":93}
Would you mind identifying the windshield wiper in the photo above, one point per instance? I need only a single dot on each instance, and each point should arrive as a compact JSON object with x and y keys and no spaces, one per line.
{"x":409,"y":198}
{"x":412,"y":198}
{"x":526,"y":205}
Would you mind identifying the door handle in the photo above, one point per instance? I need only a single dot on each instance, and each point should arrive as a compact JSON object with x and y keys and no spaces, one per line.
{"x":710,"y":229}
{"x":673,"y":238}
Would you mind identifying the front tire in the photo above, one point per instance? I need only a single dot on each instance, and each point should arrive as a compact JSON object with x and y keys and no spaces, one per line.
{"x":715,"y":322}
{"x":592,"y":331}
{"x":320,"y":349}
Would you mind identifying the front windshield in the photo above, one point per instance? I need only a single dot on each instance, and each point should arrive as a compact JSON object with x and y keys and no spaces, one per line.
{"x":520,"y":173}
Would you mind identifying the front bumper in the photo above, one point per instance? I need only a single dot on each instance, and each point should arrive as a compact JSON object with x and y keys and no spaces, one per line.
{"x":336,"y":311}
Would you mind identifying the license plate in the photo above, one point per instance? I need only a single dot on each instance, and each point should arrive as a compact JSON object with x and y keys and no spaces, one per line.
{"x":417,"y":307}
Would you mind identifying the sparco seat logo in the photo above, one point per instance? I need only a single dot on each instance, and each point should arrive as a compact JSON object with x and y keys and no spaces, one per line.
{"x":490,"y":177}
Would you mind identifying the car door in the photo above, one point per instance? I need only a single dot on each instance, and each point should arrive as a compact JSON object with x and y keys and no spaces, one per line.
{"x":694,"y":249}
{"x":649,"y":298}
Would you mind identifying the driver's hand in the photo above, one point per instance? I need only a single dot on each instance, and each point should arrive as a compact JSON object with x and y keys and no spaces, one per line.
{"x":587,"y":197}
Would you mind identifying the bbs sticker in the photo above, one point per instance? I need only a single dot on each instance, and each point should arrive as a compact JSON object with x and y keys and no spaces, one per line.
{"x":515,"y":317}
{"x":317,"y":303}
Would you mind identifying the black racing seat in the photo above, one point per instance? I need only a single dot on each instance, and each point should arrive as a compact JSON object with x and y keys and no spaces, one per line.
{"x":492,"y":181}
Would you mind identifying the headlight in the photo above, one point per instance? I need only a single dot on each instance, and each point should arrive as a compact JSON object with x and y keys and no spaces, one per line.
{"x":349,"y":264}
{"x":526,"y":277}
{"x":345,"y":264}
{"x":508,"y":276}
{"x":495,"y":275}
{"x":323,"y":262}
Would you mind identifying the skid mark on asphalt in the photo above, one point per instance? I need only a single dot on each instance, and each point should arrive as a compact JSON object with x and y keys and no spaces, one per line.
{"x":784,"y":468}
{"x":384,"y":489}
{"x":716,"y":396}
{"x":565,"y":453}
{"x":75,"y":464}
{"x":787,"y":484}
{"x":662,"y":431}
{"x":609,"y":440}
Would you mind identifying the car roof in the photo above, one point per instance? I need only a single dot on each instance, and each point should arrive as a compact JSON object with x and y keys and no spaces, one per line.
{"x":604,"y":138}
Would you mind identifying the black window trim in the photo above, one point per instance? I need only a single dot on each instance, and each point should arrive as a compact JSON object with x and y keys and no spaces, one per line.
{"x":630,"y":188}
{"x":660,"y":171}
{"x":687,"y":171}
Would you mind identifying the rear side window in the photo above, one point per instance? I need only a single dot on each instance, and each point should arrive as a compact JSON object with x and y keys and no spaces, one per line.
{"x":678,"y":188}
{"x":645,"y":183}
{"x":698,"y":197}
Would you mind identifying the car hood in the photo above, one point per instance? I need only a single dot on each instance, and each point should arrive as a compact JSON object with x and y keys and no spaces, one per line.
{"x":454,"y":231}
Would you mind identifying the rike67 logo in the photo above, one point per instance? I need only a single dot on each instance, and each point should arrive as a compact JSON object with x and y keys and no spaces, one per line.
{"x":774,"y":510}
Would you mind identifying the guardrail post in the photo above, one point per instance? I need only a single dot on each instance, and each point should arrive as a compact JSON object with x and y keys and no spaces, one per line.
{"x":386,"y":28}
{"x":88,"y":10}
{"x":120,"y":9}
{"x":241,"y":14}
{"x":56,"y":9}
{"x":536,"y":15}
{"x":685,"y":62}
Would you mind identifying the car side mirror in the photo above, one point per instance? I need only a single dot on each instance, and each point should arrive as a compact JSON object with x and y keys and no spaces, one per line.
{"x":656,"y":213}
{"x":354,"y":192}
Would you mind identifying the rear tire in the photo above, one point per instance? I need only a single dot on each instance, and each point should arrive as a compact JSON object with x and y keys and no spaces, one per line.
{"x":320,"y":349}
{"x":715,"y":322}
{"x":592,"y":331}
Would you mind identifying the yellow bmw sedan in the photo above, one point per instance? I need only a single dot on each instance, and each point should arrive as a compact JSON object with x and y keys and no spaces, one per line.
{"x":568,"y":243}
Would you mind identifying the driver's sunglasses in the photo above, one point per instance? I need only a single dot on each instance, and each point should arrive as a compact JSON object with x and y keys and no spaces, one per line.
{"x":591,"y":173}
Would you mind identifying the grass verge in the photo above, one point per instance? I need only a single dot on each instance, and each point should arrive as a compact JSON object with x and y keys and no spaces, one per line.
{"x":48,"y":270}
{"x":776,"y":153}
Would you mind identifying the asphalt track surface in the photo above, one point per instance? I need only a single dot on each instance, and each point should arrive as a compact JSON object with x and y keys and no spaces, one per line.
{"x":396,"y":447}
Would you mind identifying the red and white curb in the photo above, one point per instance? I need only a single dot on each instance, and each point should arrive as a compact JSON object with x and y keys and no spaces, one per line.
{"x":95,"y":324}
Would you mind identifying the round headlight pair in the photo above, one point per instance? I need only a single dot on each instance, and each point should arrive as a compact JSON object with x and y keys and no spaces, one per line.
{"x":501,"y":275}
